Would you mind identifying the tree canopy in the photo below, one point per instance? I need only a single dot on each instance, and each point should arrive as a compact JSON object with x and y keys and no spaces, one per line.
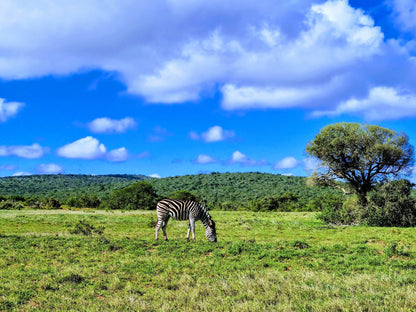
{"x":362,"y":155}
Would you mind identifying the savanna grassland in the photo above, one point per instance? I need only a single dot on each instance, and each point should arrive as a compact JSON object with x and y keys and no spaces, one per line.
{"x":85,"y":260}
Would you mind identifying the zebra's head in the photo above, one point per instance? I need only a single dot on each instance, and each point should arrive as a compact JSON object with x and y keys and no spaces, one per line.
{"x":211,"y":232}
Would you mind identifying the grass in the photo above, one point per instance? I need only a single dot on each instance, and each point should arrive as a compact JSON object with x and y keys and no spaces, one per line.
{"x":59,"y":260}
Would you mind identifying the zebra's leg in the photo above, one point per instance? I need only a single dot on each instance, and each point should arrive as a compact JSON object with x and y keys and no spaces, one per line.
{"x":189,"y":230}
{"x":158,"y":224}
{"x":192,"y":227}
{"x":165,"y":223}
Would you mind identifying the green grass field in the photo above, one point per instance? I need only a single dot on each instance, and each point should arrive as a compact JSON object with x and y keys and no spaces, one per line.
{"x":62,"y":260}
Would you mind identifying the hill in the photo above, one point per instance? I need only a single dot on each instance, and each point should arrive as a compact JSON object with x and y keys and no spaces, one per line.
{"x":217,"y":189}
{"x":63,"y":186}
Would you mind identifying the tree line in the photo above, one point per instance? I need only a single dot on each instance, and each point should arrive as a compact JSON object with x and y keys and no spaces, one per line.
{"x":361,"y":180}
{"x":226,"y":191}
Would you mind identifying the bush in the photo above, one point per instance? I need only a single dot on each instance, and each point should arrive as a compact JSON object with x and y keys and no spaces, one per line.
{"x":184,"y":195}
{"x":285,"y":202}
{"x":85,"y":228}
{"x":336,"y":209}
{"x":84,"y":201}
{"x":140,"y":195}
{"x":54,"y":203}
{"x":391,"y":205}
{"x":11,"y":205}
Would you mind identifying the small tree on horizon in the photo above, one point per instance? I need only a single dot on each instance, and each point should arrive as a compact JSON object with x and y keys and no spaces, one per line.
{"x":361,"y":155}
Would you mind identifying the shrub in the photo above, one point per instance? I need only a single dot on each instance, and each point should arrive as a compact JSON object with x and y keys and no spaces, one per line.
{"x":85,"y":228}
{"x":10,"y":204}
{"x":336,"y":209}
{"x":54,"y":203}
{"x":184,"y":195}
{"x":391,"y":205}
{"x":140,"y":195}
{"x":84,"y":201}
{"x":285,"y":202}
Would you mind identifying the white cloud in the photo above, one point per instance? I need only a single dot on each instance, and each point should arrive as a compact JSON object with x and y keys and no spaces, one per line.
{"x":205,"y":159}
{"x":260,"y":97}
{"x":155,"y":175}
{"x":216,"y":134}
{"x":90,"y":148}
{"x":107,"y":125}
{"x":86,"y":148}
{"x":49,"y":169}
{"x":9,"y":109}
{"x":23,"y":151}
{"x":22,"y":173}
{"x":382,"y":103}
{"x":287,"y":163}
{"x":261,"y":54}
{"x":118,"y":155}
{"x":405,"y":14}
{"x":240,"y":158}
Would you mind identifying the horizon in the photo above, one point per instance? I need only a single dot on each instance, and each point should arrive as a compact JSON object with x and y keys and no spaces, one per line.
{"x":171,"y":88}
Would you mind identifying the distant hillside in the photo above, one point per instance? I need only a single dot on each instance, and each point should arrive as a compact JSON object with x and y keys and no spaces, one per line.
{"x":240,"y":187}
{"x":63,"y":186}
{"x":213,"y":188}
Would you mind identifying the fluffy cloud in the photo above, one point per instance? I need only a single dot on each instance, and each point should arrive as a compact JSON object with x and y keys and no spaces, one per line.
{"x":213,"y":134}
{"x":240,"y":158}
{"x":381,"y":103}
{"x":49,"y":169}
{"x":118,"y":155}
{"x":287,"y":163}
{"x":23,"y":151}
{"x":205,"y":159}
{"x":86,"y":148}
{"x":405,"y":14}
{"x":21,"y":173}
{"x":107,"y":125}
{"x":9,"y":109}
{"x":261,"y":54}
{"x":90,"y":148}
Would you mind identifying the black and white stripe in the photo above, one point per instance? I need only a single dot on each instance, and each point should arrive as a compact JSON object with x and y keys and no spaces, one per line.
{"x":184,"y":210}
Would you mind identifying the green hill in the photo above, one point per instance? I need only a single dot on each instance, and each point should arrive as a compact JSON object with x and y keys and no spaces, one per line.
{"x":62,"y":186}
{"x":217,"y":189}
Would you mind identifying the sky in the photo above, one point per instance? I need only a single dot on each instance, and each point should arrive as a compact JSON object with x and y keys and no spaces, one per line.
{"x":176,"y":87}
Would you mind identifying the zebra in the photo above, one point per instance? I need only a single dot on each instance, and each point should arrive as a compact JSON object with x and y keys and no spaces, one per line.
{"x":184,"y":210}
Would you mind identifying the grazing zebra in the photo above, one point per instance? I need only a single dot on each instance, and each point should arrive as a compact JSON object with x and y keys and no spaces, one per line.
{"x":184,"y":210}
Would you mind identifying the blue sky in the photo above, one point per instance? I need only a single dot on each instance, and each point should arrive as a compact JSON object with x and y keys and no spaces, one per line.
{"x":175,"y":87}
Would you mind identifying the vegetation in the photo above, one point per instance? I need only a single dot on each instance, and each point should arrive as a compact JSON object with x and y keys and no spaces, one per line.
{"x":226,"y":191}
{"x":62,"y":187}
{"x":267,"y":261}
{"x":361,"y":155}
{"x":246,"y":191}
{"x":139,"y":195}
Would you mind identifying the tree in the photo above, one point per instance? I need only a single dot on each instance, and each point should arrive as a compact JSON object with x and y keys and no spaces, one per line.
{"x":139,"y":195}
{"x":391,"y":204}
{"x":184,"y":195}
{"x":361,"y":155}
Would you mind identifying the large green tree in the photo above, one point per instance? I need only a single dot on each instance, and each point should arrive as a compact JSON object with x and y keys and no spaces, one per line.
{"x":362,"y":155}
{"x":139,"y":195}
